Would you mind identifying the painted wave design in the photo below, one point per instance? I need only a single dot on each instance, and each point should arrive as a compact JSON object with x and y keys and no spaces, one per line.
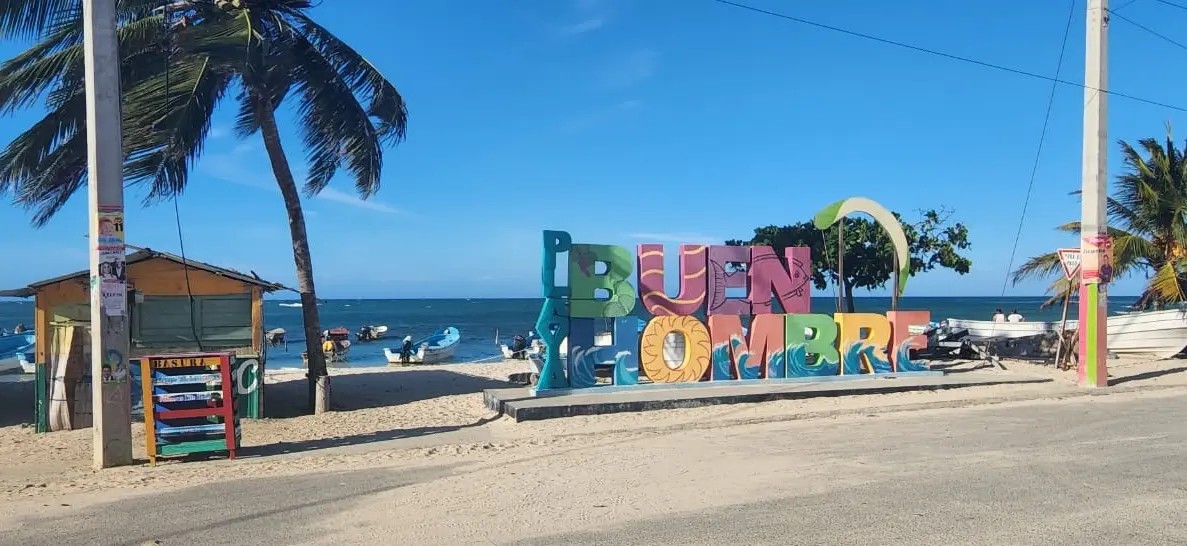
{"x":581,"y":366}
{"x":745,"y":369}
{"x":903,"y":359}
{"x":775,"y":365}
{"x":721,"y":362}
{"x":626,"y":368}
{"x":852,"y":358}
{"x":796,"y":360}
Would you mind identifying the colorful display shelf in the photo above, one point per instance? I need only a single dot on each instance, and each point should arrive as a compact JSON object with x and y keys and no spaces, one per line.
{"x":189,"y":404}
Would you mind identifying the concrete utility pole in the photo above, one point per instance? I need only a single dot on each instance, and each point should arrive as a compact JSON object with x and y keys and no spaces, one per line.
{"x":110,"y":386}
{"x":1095,"y":251}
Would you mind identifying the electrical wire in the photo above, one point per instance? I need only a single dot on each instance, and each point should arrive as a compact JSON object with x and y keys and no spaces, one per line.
{"x":167,"y":49}
{"x":1034,"y":170}
{"x":1147,"y":29}
{"x":950,"y":56}
{"x":1172,"y":4}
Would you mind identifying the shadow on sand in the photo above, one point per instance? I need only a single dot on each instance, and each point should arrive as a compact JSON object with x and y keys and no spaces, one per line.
{"x":370,"y":390}
{"x":1113,"y":381}
{"x":376,"y":390}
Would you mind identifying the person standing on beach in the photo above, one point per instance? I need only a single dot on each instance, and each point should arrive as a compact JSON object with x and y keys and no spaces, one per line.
{"x":406,"y":350}
{"x":999,"y":316}
{"x":1014,"y":316}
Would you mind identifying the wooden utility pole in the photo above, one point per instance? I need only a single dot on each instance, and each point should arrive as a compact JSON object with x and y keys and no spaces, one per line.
{"x":841,"y":265}
{"x":1095,"y":267}
{"x":110,"y":386}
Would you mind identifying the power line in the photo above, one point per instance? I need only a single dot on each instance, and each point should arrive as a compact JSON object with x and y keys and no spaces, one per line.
{"x":951,"y":56}
{"x":1034,"y":170}
{"x":1172,"y":4}
{"x":1147,"y":29}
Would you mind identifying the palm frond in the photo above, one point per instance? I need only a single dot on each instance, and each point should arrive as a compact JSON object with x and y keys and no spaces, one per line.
{"x":25,"y":19}
{"x":1038,"y":267}
{"x":1166,"y":286}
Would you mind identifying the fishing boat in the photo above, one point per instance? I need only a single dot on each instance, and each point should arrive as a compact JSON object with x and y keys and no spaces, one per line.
{"x":15,"y":349}
{"x":371,"y":333}
{"x":991,"y":329}
{"x":431,"y":350}
{"x":1162,"y":334}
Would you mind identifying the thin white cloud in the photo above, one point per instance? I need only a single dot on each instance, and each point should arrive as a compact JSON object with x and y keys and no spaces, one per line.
{"x":586,"y":26}
{"x":690,"y":238}
{"x":337,"y":196}
{"x":638,"y":67}
{"x":593,"y":118}
{"x":246,"y":147}
{"x":219,"y":131}
{"x":229,"y":168}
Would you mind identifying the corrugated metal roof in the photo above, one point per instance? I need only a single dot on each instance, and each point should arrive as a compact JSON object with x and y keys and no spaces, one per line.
{"x":149,"y":254}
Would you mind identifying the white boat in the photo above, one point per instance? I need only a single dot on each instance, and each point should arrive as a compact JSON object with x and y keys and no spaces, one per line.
{"x":15,"y":349}
{"x":1162,"y":334}
{"x":431,"y":350}
{"x":989,"y":328}
{"x":27,"y":365}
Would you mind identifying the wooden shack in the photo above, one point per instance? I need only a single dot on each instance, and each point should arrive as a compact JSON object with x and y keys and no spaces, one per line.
{"x":226,"y":312}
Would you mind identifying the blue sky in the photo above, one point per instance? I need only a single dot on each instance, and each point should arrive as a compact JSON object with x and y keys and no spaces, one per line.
{"x":660,"y":121}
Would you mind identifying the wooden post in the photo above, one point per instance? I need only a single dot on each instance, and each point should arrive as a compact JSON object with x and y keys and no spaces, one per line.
{"x":841,"y":266}
{"x":1067,"y":297}
{"x":110,"y":386}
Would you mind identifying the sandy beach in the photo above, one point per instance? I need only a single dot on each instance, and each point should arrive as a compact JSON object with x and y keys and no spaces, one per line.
{"x":417,"y":415}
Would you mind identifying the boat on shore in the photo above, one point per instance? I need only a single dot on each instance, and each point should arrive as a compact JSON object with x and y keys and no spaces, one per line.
{"x":1161,"y":334}
{"x":990,"y":329}
{"x":431,"y":350}
{"x":16,"y":352}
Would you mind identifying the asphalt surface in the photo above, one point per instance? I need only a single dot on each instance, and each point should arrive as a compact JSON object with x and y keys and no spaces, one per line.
{"x":1087,"y":471}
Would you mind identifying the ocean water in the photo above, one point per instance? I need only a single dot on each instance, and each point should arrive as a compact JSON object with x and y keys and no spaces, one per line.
{"x":480,"y":319}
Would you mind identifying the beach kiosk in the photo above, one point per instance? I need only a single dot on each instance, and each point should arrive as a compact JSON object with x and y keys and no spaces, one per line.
{"x":175,"y":306}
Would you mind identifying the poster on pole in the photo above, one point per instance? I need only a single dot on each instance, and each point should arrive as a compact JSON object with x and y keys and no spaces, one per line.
{"x":1096,"y":264}
{"x":1069,"y":258}
{"x":113,"y":275}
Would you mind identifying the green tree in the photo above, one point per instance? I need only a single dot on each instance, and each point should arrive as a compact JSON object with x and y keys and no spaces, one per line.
{"x":869,"y":254}
{"x":1147,"y":223}
{"x":177,"y":66}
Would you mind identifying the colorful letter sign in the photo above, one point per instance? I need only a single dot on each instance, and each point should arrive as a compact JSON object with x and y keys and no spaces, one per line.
{"x":740,"y":314}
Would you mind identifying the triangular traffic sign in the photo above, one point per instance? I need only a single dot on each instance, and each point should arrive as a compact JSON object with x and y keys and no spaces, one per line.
{"x":1070,"y":259}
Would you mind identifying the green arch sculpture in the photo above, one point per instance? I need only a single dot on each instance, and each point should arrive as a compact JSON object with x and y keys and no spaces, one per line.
{"x":831,"y":214}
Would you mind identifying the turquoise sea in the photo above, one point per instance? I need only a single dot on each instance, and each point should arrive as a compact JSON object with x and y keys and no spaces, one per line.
{"x":479,"y":319}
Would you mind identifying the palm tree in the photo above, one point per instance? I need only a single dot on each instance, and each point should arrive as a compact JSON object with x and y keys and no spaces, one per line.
{"x":178,"y":63}
{"x":1147,"y":222}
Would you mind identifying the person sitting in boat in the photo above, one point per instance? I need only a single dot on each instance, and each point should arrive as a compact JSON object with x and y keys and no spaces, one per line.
{"x":19,"y":328}
{"x":406,"y":350}
{"x":365,"y":334}
{"x":1015,"y":316}
{"x":519,"y":347}
{"x":999,"y":316}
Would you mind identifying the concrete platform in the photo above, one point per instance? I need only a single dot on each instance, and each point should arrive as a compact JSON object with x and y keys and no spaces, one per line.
{"x":520,"y":403}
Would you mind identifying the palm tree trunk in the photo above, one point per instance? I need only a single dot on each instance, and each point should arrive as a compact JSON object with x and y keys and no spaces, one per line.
{"x":849,"y":304}
{"x":318,"y":391}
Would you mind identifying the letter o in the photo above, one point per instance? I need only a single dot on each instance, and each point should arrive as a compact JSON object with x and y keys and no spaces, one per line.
{"x":255,"y":384}
{"x":697,"y":349}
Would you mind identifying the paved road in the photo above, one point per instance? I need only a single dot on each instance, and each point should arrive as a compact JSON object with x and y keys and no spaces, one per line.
{"x":1095,"y":470}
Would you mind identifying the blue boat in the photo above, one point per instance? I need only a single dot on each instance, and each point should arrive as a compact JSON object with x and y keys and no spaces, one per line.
{"x":430,"y":350}
{"x":16,"y":349}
